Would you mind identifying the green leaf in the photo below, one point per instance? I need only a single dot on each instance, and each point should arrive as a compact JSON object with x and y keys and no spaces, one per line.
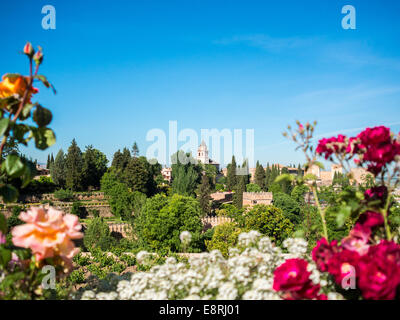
{"x":46,"y":83}
{"x":5,"y":256}
{"x":26,"y":176}
{"x":13,"y":165}
{"x":3,"y":223}
{"x":26,"y":111}
{"x":44,"y":137}
{"x":4,"y":125}
{"x":342,"y":216}
{"x":20,"y":130}
{"x":9,"y":193}
{"x":310,"y":176}
{"x":42,"y":116}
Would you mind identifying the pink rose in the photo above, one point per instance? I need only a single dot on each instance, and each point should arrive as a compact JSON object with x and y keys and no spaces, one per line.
{"x":379,"y":272}
{"x":370,"y":219}
{"x":291,"y":275}
{"x":48,"y":233}
{"x":357,"y":240}
{"x":343,"y":264}
{"x":293,"y":279}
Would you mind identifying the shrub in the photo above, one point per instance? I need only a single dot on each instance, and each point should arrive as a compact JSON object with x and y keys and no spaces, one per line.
{"x":269,"y":221}
{"x":77,"y":276}
{"x":81,"y":260}
{"x":98,"y":235}
{"x":224,"y":236}
{"x":13,"y":220}
{"x":64,"y":195}
{"x":95,"y":213}
{"x":121,"y":201}
{"x":78,"y":210}
{"x":289,"y":206}
{"x":252,"y":187}
{"x":163,"y":219}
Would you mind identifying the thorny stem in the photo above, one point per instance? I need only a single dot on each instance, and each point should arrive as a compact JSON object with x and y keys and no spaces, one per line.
{"x":21,"y":105}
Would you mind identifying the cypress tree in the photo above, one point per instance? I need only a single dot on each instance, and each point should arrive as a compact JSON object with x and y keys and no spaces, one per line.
{"x":260,"y":176}
{"x":240,"y":188}
{"x":203,"y":194}
{"x":135,"y":150}
{"x":73,"y":164}
{"x":231,"y":178}
{"x":299,"y":170}
{"x":57,"y":170}
{"x":267,"y":177}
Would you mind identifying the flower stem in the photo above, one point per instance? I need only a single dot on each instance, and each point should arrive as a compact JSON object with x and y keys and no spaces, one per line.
{"x":321,"y":212}
{"x":385,"y":218}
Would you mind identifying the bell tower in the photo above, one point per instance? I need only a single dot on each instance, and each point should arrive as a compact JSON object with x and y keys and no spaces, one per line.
{"x":202,"y":153}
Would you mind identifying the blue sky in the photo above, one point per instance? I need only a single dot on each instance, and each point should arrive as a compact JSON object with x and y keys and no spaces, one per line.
{"x":122,"y":68}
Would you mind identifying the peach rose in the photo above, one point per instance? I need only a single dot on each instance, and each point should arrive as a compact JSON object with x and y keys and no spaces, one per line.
{"x":15,"y":85}
{"x":48,"y":233}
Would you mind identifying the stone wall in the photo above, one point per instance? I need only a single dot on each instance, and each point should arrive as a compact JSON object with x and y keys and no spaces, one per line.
{"x":252,"y":198}
{"x":221,"y":196}
{"x":211,"y":222}
{"x":104,"y":209}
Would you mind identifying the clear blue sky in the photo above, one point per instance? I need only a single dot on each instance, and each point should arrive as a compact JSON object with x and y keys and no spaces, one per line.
{"x":122,"y":68}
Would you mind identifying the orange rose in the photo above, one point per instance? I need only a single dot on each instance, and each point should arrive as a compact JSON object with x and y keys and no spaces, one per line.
{"x":15,"y":85}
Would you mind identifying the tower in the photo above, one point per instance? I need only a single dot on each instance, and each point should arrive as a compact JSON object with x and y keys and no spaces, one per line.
{"x":202,"y":153}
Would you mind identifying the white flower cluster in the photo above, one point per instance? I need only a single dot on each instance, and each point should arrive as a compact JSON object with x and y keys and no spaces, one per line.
{"x":246,"y":274}
{"x":185,"y":237}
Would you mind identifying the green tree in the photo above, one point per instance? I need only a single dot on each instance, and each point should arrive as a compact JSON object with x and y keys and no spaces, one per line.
{"x":163,"y":219}
{"x":98,"y":235}
{"x":211,"y":173}
{"x":94,"y":167}
{"x":298,"y":193}
{"x":286,"y":185}
{"x":259,"y":176}
{"x":203,"y":195}
{"x":136,"y":175}
{"x":186,"y":175}
{"x":58,"y":170}
{"x":267,"y":177}
{"x":121,"y":201}
{"x":225,"y":236}
{"x":120,"y":161}
{"x":231,"y":178}
{"x":289,"y":206}
{"x":48,"y":163}
{"x":109,"y":180}
{"x":135,"y":150}
{"x":238,"y":196}
{"x":73,"y":167}
{"x":252,"y":187}
{"x":267,"y":220}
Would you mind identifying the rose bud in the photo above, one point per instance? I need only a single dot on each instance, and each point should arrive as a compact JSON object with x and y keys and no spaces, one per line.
{"x":28,"y":49}
{"x":38,"y":56}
